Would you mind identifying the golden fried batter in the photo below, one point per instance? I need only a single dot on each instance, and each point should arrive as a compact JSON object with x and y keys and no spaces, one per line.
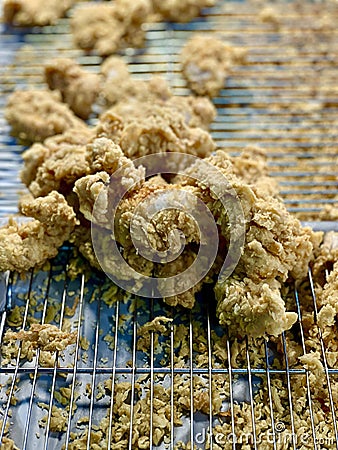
{"x":79,"y":89}
{"x":119,"y":87}
{"x":206,"y":63}
{"x":34,"y":12}
{"x":31,"y":244}
{"x":181,"y":10}
{"x":154,"y":129}
{"x":109,"y":27}
{"x":38,"y":153}
{"x":276,"y":246}
{"x":36,"y":115}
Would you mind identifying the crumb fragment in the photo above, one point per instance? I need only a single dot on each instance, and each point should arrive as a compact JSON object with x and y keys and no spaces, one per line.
{"x":45,"y":337}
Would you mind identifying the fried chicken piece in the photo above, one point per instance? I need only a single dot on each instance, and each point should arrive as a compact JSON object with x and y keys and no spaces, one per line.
{"x":78,"y":88}
{"x":36,"y":115}
{"x":108,"y":28}
{"x":251,"y":167}
{"x":156,"y":232}
{"x":119,"y":87}
{"x":147,"y":242}
{"x":276,"y":246}
{"x":33,"y":243}
{"x":32,"y":13}
{"x":256,"y":309}
{"x":57,"y":167}
{"x":36,"y":155}
{"x":131,"y":90}
{"x":115,"y":69}
{"x":104,"y":155}
{"x":325,"y":256}
{"x":154,"y":129}
{"x":206,"y":63}
{"x":60,"y":171}
{"x":173,"y":268}
{"x":198,"y":111}
{"x":181,"y":10}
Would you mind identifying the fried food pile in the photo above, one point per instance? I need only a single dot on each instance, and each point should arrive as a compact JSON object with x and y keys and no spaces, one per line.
{"x":69,"y":176}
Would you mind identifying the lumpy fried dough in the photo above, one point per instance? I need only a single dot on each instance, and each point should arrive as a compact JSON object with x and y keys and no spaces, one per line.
{"x":118,"y":86}
{"x":34,"y":12}
{"x":206,"y":63}
{"x":129,"y":90}
{"x":107,"y":28}
{"x":154,"y":129}
{"x":60,"y":171}
{"x":35,"y":157}
{"x":157,"y":233}
{"x":276,"y":246}
{"x":36,"y":115}
{"x":197,"y":111}
{"x":181,"y":10}
{"x":33,"y":243}
{"x":325,"y":256}
{"x":105,"y":157}
{"x":256,"y":309}
{"x":79,"y":89}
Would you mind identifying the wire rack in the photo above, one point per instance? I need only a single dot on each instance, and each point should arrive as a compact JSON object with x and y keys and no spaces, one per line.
{"x":286,"y":99}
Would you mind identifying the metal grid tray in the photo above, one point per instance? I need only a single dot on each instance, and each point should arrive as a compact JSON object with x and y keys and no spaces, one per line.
{"x":263,"y":103}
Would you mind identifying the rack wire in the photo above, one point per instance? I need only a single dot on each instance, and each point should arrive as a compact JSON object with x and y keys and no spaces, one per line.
{"x":286,"y":100}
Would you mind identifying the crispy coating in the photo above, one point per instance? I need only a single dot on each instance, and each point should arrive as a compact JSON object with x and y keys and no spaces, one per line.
{"x":33,"y":243}
{"x":82,"y":240}
{"x":46,"y":337}
{"x":129,"y":95}
{"x":276,"y":246}
{"x":181,"y":10}
{"x":60,"y":171}
{"x":206,"y":63}
{"x":154,"y":129}
{"x":119,"y":87}
{"x":78,"y":88}
{"x":115,"y":69}
{"x":251,"y":167}
{"x":35,"y":115}
{"x":256,"y":309}
{"x":107,"y":28}
{"x":131,"y":90}
{"x":325,"y":256}
{"x":34,"y":12}
{"x":157,"y":232}
{"x":173,"y":268}
{"x":197,"y":111}
{"x":38,"y":153}
{"x":105,"y":156}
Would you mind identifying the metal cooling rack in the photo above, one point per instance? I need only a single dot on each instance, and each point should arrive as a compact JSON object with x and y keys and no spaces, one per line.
{"x":254,"y":108}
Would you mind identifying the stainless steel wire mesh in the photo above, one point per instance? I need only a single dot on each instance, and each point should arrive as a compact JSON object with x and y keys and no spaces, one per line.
{"x":286,"y":100}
